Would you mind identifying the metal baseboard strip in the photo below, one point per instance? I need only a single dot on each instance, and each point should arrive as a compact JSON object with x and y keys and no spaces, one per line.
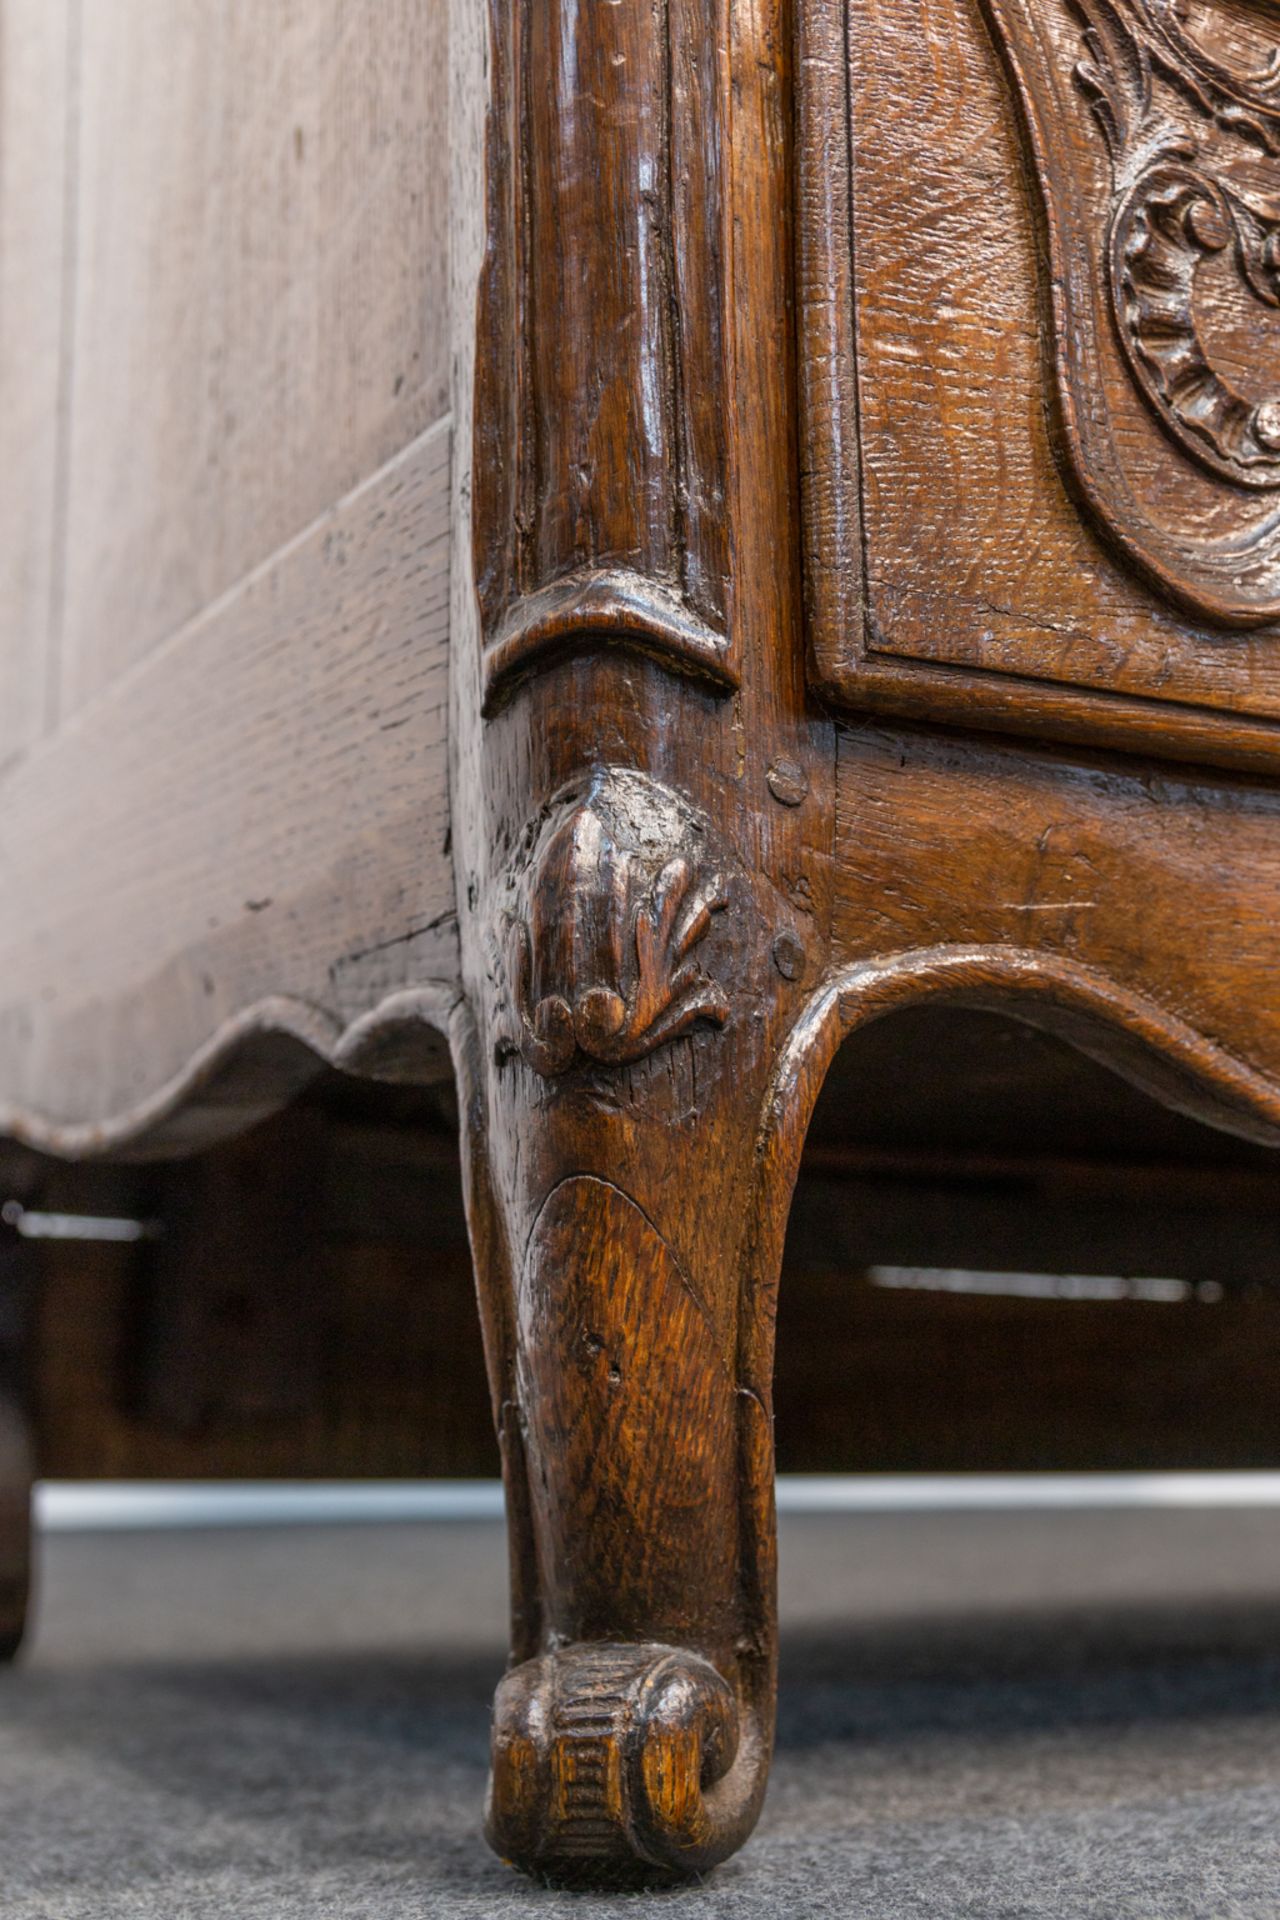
{"x":94,"y":1506}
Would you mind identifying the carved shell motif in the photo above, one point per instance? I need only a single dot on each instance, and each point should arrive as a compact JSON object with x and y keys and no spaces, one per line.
{"x":599,"y":930}
{"x":1164,"y":230}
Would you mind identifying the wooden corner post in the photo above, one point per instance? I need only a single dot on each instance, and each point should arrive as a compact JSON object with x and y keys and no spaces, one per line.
{"x":642,"y":807}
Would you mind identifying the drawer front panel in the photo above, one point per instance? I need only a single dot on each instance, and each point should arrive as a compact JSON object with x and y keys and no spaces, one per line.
{"x":1038,"y":391}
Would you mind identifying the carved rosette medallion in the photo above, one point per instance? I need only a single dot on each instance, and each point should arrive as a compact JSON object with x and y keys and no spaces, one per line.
{"x":1155,"y":130}
{"x":603,"y":912}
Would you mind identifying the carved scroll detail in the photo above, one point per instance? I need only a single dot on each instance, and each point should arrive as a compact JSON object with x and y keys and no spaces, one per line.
{"x":614,"y":1764}
{"x":1164,"y":243}
{"x":598,"y":931}
{"x":1175,"y":209}
{"x":601,"y":388}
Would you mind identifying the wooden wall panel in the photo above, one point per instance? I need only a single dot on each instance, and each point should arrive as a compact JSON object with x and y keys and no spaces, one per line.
{"x":149,"y":1364}
{"x":260,"y":317}
{"x":873,"y":1381}
{"x":186,"y":1356}
{"x":34,"y":69}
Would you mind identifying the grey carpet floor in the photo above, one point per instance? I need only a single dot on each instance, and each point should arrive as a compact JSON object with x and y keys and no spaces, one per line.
{"x":1066,"y":1716}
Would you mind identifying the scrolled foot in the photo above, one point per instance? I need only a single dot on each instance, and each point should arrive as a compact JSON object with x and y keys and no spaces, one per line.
{"x":617,"y":1765}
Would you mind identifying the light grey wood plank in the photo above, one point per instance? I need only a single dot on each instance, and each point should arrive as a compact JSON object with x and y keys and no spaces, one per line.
{"x":261,"y":307}
{"x":34,"y":71}
{"x":245,"y":837}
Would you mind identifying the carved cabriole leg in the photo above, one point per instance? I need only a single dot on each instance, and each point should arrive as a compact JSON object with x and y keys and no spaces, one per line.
{"x":642,"y":830}
{"x":624,"y":1078}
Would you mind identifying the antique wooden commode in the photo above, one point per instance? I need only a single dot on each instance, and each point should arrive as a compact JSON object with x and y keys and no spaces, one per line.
{"x":733,"y":518}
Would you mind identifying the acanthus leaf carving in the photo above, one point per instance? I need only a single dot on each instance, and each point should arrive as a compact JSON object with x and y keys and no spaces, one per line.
{"x":598,"y":934}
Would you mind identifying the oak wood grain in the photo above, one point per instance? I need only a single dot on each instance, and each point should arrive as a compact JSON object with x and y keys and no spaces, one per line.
{"x":989,"y":588}
{"x":602,"y":398}
{"x":753,"y":413}
{"x":645,"y":910}
{"x":1162,"y":888}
